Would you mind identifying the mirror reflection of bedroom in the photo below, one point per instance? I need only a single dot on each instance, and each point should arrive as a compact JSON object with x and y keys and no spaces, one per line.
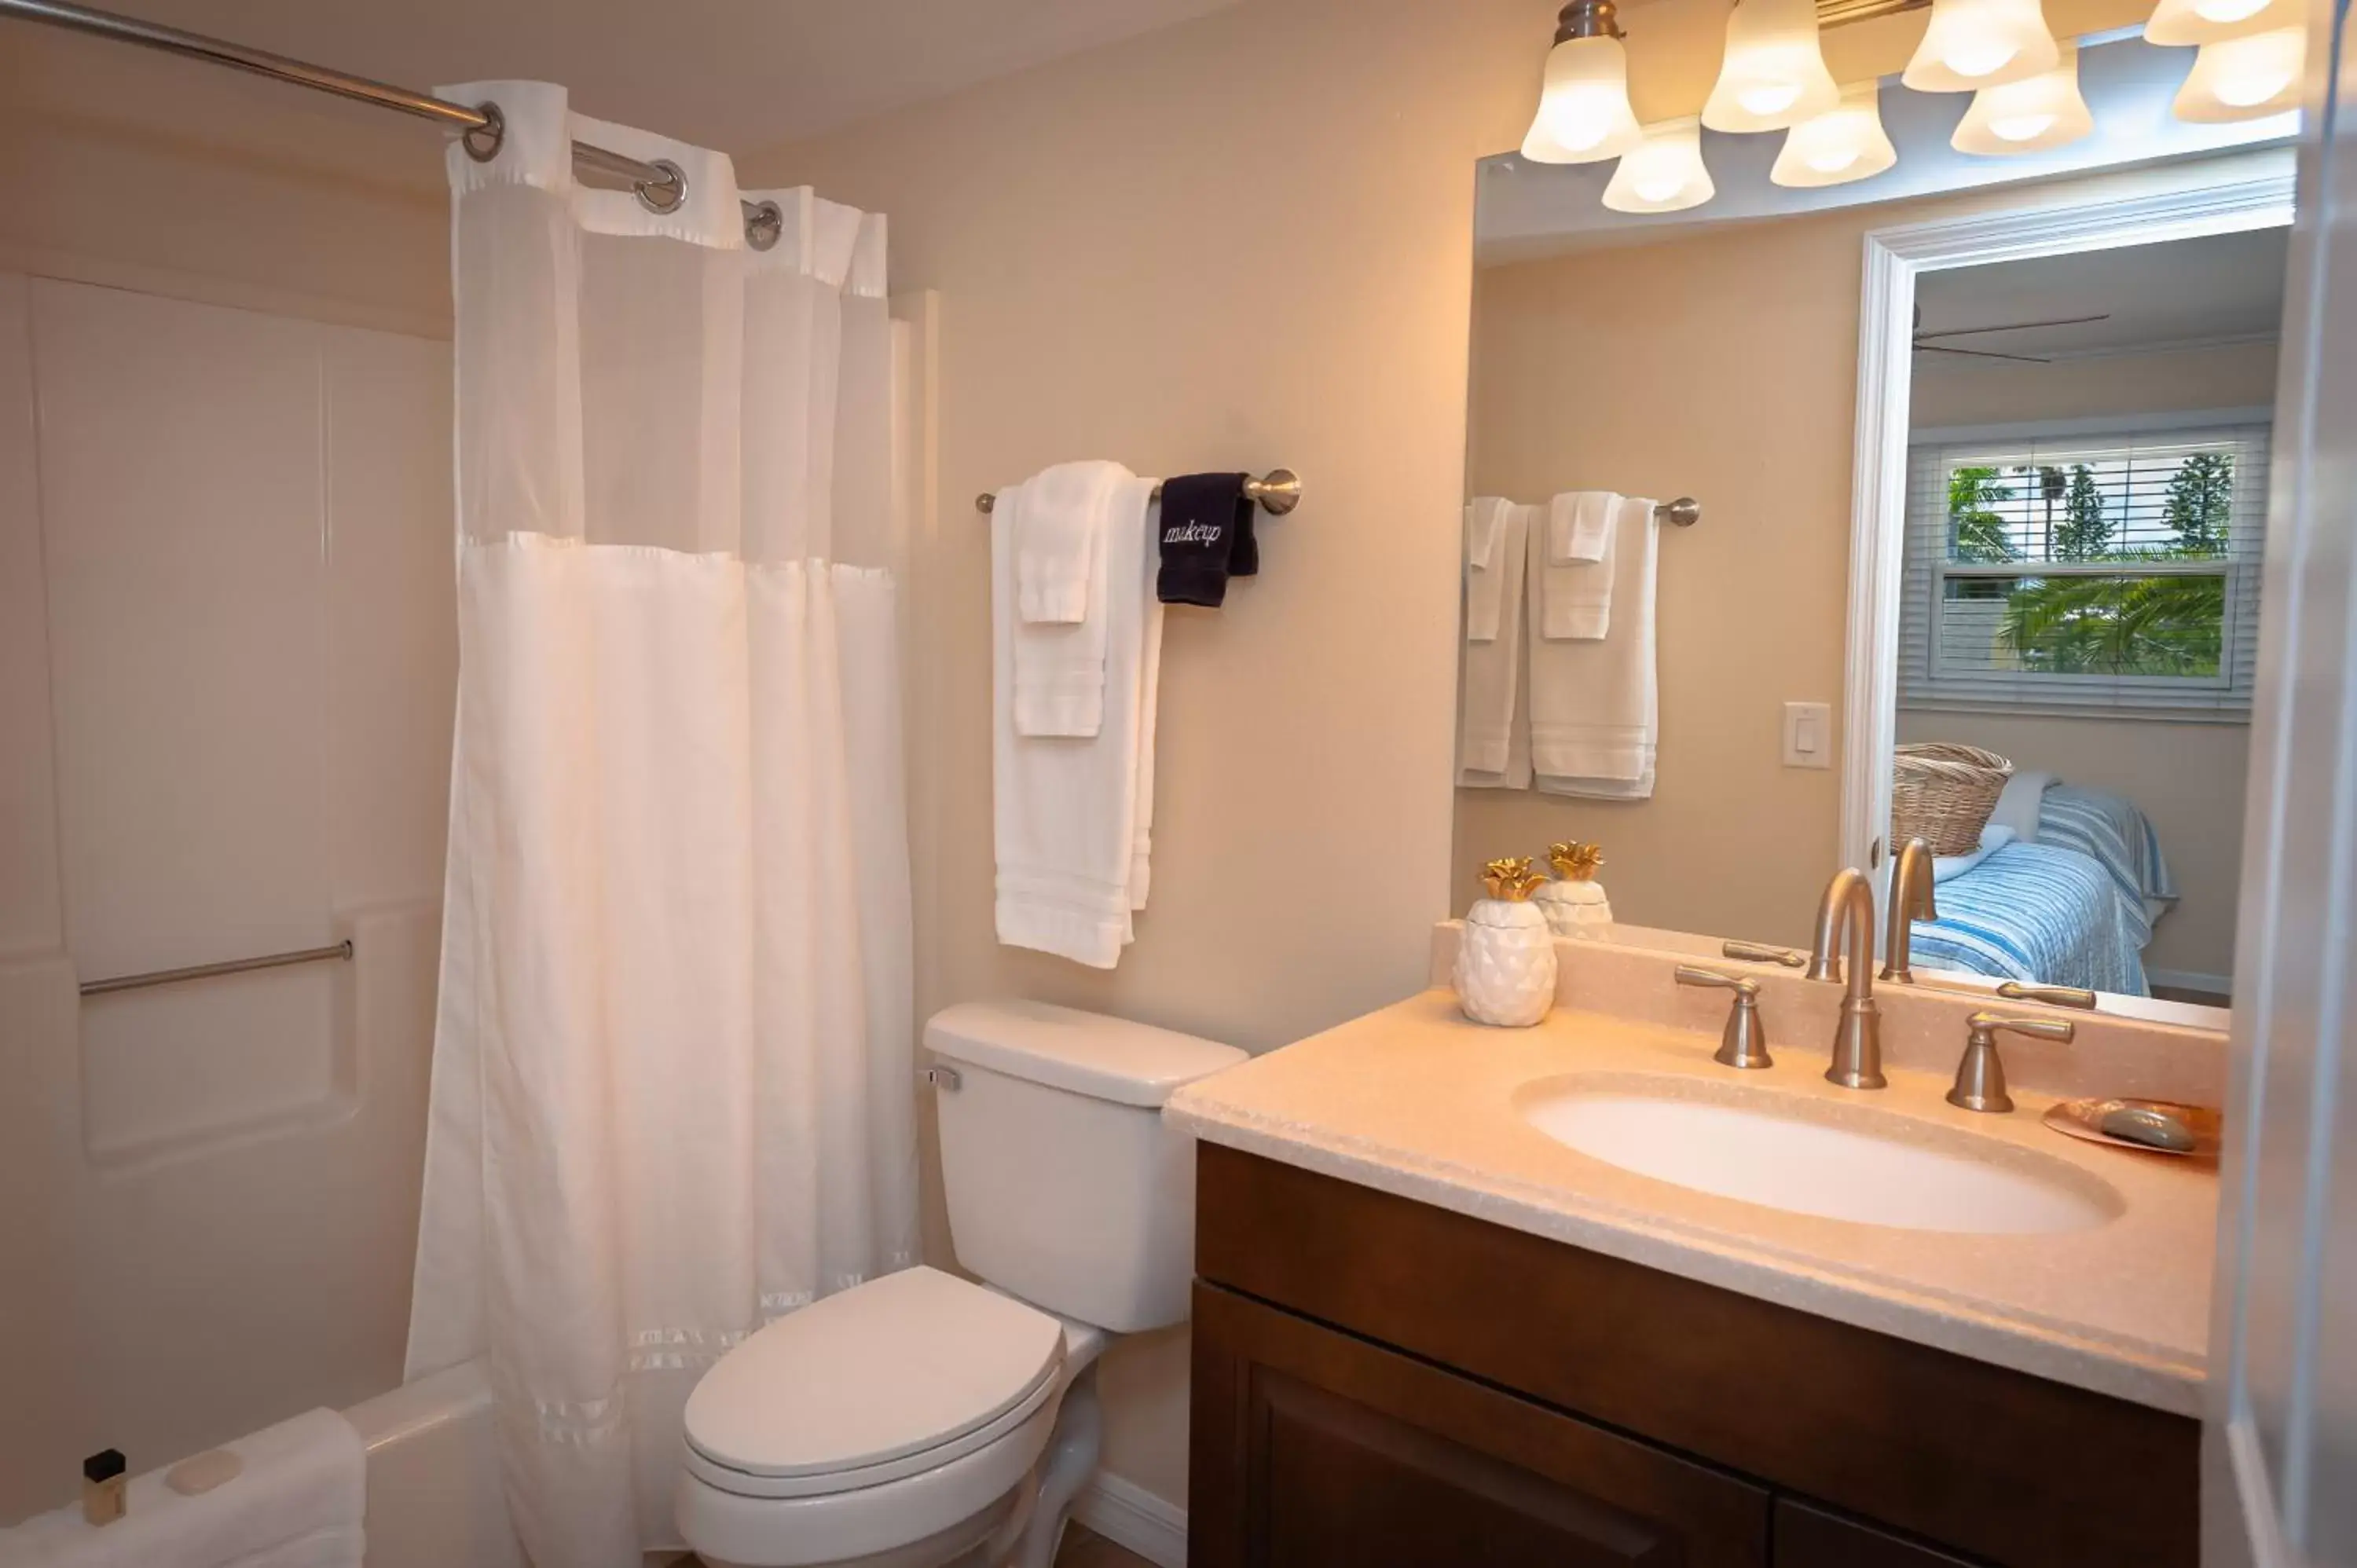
{"x":2086,"y":503}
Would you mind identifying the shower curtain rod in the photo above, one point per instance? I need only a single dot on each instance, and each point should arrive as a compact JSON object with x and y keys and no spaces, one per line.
{"x":661,"y":185}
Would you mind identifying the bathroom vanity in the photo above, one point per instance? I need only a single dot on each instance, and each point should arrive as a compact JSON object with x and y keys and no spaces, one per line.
{"x":1430,"y":1329}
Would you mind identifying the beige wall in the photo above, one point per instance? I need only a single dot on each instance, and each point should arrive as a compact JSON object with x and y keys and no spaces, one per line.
{"x":1948,"y":392}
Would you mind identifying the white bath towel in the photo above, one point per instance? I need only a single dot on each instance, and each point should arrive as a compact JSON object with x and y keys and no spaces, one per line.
{"x":1068,"y":824}
{"x":297,"y":1503}
{"x":1595,"y":721}
{"x":1575,"y":576}
{"x":1059,"y":659}
{"x":1496,"y":542}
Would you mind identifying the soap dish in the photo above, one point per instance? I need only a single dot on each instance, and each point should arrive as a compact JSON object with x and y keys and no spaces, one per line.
{"x":2084,"y":1119}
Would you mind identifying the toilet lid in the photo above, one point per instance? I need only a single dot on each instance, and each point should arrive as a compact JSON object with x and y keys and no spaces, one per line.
{"x":882,"y":1371}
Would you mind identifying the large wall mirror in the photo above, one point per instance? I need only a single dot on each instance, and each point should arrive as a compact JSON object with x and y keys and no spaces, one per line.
{"x":1982,"y":489}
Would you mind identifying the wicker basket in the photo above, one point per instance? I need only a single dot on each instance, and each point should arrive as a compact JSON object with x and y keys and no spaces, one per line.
{"x":1943,"y":793}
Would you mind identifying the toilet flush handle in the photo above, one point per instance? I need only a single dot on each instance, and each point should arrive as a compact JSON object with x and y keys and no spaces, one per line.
{"x":940,"y":1075}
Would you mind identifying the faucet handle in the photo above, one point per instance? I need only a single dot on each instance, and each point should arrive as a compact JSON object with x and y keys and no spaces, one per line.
{"x":1762,"y":952}
{"x":1744,"y":1042}
{"x":1980,"y":1076}
{"x":2053,"y":995}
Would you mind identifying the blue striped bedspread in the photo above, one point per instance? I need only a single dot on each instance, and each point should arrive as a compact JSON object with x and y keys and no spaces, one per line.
{"x":2111,"y":832}
{"x":2041,"y":915}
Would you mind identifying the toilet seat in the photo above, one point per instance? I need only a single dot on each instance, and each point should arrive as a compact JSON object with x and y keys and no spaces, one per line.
{"x":898,"y":1376}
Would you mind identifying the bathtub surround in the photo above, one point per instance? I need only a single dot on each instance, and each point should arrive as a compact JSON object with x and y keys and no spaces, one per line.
{"x":672,"y":1067}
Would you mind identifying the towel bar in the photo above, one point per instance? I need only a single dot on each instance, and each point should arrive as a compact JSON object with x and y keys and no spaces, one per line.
{"x":207,"y":971}
{"x":1685,"y":512}
{"x":1278,"y":492}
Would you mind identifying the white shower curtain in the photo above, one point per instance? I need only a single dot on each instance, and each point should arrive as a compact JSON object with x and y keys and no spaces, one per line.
{"x":673,"y":1091}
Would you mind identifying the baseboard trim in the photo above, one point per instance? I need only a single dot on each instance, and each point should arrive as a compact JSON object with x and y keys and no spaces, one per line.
{"x":2191,"y":980}
{"x":1129,"y":1516}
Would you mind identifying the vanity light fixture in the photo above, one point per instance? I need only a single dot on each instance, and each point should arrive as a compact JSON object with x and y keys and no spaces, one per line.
{"x":1974,"y":44}
{"x":2247,"y":78}
{"x":1844,"y":142}
{"x":2190,"y":22}
{"x":1583,"y":114}
{"x":1663,"y":173}
{"x":1774,"y":74}
{"x":2029,"y":116}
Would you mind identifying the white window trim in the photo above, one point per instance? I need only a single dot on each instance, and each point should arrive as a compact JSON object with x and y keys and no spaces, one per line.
{"x":1935,"y":690}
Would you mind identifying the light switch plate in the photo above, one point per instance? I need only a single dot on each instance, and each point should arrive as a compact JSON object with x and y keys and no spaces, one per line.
{"x":1808,"y":735}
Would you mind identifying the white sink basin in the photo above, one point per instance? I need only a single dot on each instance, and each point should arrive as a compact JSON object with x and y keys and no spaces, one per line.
{"x":1807,"y":1156}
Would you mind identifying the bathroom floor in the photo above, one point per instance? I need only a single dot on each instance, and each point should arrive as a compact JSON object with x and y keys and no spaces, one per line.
{"x":1084,"y":1549}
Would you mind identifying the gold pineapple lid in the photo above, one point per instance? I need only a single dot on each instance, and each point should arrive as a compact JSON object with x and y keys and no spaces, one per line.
{"x":1576,"y":862}
{"x":1512,"y":879}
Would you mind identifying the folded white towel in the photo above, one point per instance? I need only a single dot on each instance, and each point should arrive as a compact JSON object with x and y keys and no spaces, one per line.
{"x":1580,"y":523}
{"x":2023,"y":801}
{"x":1994,"y":837}
{"x":1497,"y":535}
{"x":1576,"y":578}
{"x":297,"y":1503}
{"x":1150,"y":702}
{"x":1067,"y":811}
{"x":1059,"y":659}
{"x":1057,"y":534}
{"x":1595,"y":719}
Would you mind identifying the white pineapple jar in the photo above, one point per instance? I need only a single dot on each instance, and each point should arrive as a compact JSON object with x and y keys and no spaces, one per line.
{"x":1505,"y":962}
{"x":1574,"y":903}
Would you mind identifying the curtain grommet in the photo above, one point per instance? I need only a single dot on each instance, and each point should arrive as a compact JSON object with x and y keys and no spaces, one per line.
{"x":764,"y":226}
{"x":667,"y":197}
{"x":483,"y":142}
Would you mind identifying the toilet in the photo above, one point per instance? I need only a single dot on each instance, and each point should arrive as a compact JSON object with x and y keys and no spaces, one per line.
{"x":920,"y":1420}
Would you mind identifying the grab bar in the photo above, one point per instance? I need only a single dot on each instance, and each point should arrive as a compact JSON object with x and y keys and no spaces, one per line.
{"x":342,"y":949}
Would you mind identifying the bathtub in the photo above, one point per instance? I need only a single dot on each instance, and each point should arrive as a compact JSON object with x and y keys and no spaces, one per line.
{"x":434,"y":1496}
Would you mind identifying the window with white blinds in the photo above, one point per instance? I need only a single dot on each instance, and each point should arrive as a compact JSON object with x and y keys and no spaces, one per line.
{"x":2086,"y":574}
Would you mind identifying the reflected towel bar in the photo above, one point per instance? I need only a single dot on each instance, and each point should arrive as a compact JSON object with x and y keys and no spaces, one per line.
{"x":342,"y":949}
{"x":1278,"y":492}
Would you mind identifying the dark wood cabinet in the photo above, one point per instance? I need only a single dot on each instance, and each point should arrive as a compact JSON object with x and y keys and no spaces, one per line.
{"x":1378,"y":1381}
{"x":1344,"y":1452}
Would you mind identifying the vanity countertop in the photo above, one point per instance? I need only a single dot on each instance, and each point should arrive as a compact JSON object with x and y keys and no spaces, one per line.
{"x":1417,"y":1102}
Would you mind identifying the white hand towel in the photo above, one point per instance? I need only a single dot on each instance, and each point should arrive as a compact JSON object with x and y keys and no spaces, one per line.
{"x":1059,"y":660}
{"x":1578,"y":524}
{"x":1056,"y":538}
{"x":1150,"y":702}
{"x":1575,"y":586}
{"x":1066,"y":811}
{"x":1497,"y":536}
{"x":1595,"y":720}
{"x":297,"y":1503}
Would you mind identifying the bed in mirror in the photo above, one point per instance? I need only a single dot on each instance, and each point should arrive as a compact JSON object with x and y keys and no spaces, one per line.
{"x":1983,"y":487}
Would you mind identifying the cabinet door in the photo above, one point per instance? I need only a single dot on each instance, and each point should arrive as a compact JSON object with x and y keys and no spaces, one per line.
{"x":1314,"y":1447}
{"x":1811,"y":1538}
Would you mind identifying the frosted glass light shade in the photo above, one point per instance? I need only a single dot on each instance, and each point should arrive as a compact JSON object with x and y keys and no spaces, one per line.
{"x":2028,"y":116}
{"x":2187,"y":22}
{"x":1844,"y":142}
{"x":1773,"y":73}
{"x":2245,"y":79}
{"x":1583,"y":114}
{"x":1973,"y":44}
{"x":1663,"y":173}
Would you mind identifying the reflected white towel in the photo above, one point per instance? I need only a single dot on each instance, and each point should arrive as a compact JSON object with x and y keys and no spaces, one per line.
{"x":1060,"y":518}
{"x":1496,"y":542}
{"x":298,"y":1503}
{"x":1595,"y":720}
{"x":1069,"y":824}
{"x":1576,"y":578}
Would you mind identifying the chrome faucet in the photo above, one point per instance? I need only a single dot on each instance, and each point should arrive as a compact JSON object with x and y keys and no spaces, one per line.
{"x":1911,"y":901}
{"x":1845,"y":918}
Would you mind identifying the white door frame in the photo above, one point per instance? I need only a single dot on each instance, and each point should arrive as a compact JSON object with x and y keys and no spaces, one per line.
{"x":2175,"y":202}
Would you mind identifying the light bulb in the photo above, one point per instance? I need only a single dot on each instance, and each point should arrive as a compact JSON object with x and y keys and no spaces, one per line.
{"x":1773,"y":73}
{"x":1583,"y":114}
{"x":2029,"y":116}
{"x":2181,"y":23}
{"x":2247,"y":78}
{"x":1844,"y":144}
{"x":1974,"y":44}
{"x":1664,"y":172}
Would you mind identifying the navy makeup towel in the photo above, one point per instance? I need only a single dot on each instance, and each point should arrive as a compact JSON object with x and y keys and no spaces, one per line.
{"x":1207,"y":538}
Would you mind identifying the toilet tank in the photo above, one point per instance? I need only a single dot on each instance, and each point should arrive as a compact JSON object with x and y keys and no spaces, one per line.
{"x":1065,"y":1188}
